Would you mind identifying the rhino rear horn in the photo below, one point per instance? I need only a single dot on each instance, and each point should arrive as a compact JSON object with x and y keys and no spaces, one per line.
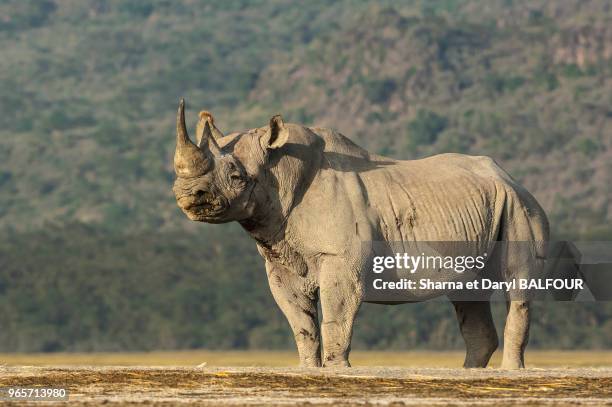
{"x":207,"y":117}
{"x":207,"y":135}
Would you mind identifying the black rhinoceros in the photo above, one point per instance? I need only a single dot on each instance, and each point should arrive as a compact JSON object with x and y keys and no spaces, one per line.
{"x":310,"y":198}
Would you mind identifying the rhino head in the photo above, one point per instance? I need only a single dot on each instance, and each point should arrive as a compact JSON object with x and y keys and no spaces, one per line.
{"x":216,"y":183}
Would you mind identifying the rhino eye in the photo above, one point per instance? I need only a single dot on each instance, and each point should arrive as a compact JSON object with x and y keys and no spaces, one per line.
{"x":236,"y":179}
{"x":234,"y":174}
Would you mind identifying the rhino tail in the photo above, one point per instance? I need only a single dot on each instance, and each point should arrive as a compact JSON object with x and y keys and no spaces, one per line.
{"x":564,"y":263}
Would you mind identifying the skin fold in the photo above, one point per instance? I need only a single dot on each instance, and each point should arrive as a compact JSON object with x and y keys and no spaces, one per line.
{"x":310,"y":198}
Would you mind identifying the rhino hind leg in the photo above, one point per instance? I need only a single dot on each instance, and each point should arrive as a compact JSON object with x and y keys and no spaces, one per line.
{"x":526,"y":233}
{"x":516,"y":335}
{"x":478,"y":331}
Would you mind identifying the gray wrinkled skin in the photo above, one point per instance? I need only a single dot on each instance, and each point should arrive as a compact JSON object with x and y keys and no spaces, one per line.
{"x":310,"y":198}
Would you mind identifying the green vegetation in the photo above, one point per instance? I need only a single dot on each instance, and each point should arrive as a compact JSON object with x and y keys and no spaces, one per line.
{"x":424,"y":129}
{"x":379,"y":91}
{"x":79,"y":288}
{"x":94,"y":253}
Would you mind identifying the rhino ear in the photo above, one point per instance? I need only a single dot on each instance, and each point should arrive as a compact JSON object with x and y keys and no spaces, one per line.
{"x":277,"y":135}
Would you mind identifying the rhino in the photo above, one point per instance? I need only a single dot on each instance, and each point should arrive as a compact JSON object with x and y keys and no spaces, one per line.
{"x":310,"y":198}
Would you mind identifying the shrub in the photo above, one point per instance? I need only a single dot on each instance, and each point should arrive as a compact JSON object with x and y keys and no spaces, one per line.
{"x":424,"y":129}
{"x":495,"y":83}
{"x":379,"y":90}
{"x":588,"y":147}
{"x":571,"y":71}
{"x":547,"y":79}
{"x":136,"y":9}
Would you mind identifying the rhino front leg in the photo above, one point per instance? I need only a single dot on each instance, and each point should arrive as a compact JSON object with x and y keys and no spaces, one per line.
{"x":340,"y":293}
{"x":478,"y":331}
{"x":299,"y":305}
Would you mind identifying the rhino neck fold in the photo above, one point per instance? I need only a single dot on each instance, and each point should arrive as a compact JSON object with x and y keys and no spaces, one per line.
{"x":278,"y":191}
{"x":266,"y":232}
{"x":268,"y":222}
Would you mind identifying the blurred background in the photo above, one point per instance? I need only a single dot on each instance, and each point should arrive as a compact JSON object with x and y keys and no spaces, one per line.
{"x":96,"y":256}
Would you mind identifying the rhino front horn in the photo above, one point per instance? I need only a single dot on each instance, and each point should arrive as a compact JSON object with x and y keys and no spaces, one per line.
{"x":189,"y":160}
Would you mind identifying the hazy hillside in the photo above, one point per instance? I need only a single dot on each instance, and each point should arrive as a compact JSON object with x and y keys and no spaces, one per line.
{"x":88,"y":93}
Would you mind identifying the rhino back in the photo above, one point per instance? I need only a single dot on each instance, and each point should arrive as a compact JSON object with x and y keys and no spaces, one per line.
{"x":442,"y":198}
{"x":358,"y":197}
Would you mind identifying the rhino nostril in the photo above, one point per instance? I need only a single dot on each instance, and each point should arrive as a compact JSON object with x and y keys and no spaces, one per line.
{"x":203,"y":196}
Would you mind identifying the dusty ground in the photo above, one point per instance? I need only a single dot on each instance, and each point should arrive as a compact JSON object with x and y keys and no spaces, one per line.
{"x":92,"y":385}
{"x":262,"y":378}
{"x":260,"y":358}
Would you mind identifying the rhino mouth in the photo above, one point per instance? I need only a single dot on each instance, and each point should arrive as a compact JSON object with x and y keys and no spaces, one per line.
{"x":204,"y":206}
